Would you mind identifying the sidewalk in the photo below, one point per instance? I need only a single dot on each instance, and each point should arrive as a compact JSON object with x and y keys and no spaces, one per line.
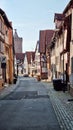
{"x":7,"y":89}
{"x":62,"y":106}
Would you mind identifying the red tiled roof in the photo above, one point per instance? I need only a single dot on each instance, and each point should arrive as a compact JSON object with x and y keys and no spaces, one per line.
{"x":42,"y":41}
{"x":49,"y":35}
{"x":45,"y":38}
{"x":20,"y":56}
{"x":30,"y":54}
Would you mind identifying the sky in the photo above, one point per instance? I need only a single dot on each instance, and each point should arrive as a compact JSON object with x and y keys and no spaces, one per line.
{"x":31,"y":16}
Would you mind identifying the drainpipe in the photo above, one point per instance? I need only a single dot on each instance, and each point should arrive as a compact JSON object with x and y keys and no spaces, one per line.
{"x":63,"y":52}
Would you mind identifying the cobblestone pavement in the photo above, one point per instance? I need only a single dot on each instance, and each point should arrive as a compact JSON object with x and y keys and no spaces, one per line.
{"x":63,"y":108}
{"x":8,"y":88}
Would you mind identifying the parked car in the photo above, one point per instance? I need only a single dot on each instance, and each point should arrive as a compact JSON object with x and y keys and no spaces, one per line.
{"x":25,"y":75}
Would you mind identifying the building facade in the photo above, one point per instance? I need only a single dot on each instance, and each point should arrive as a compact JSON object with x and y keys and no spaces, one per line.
{"x":19,"y":63}
{"x":17,"y":43}
{"x":62,"y":47}
{"x":44,"y":41}
{"x":68,"y":11}
{"x":29,"y":64}
{"x":37,"y":60}
{"x":6,"y":49}
{"x":43,"y":60}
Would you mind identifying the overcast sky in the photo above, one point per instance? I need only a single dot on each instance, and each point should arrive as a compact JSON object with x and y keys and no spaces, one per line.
{"x":31,"y":16}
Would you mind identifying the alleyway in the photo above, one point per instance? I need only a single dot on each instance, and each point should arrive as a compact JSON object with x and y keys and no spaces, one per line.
{"x":27,"y":106}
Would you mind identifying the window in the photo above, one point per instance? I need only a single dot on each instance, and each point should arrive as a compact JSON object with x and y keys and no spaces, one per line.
{"x":2,"y":48}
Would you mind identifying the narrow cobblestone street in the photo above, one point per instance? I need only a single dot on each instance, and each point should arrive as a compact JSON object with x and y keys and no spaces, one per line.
{"x":62,"y":106}
{"x":27,"y":106}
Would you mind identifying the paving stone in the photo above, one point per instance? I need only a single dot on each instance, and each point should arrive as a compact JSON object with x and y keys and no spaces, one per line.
{"x":63,"y":106}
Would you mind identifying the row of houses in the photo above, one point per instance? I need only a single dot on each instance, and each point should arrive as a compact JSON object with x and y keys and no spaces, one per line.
{"x":54,"y":49}
{"x":26,"y":63}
